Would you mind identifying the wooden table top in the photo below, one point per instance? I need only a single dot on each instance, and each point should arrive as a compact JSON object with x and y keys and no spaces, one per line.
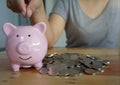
{"x":30,"y":76}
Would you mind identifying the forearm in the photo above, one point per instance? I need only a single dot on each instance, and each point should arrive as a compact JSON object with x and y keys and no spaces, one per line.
{"x":34,"y":9}
{"x":40,"y":16}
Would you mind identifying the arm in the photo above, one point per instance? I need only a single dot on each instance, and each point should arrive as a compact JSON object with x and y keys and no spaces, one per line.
{"x":55,"y":24}
{"x":34,"y":9}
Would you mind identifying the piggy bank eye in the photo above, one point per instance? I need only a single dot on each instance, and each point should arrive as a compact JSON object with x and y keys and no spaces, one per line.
{"x":29,"y":35}
{"x":17,"y":35}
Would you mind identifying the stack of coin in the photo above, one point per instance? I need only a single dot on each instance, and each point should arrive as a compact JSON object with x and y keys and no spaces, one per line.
{"x":72,"y":64}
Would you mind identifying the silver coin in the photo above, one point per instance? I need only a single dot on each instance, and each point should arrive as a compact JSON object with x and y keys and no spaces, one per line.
{"x":73,"y":72}
{"x":63,"y":72}
{"x":72,"y":64}
{"x":53,"y":71}
{"x":106,"y":62}
{"x":97,"y":65}
{"x":43,"y":71}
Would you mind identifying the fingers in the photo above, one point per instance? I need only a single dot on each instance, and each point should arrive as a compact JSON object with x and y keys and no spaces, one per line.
{"x":32,"y":7}
{"x":18,"y":6}
{"x":26,"y":7}
{"x":22,"y":6}
{"x":11,"y":6}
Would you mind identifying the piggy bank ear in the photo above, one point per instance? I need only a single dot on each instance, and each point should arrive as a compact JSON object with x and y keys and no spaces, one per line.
{"x":41,"y":26}
{"x":8,"y":28}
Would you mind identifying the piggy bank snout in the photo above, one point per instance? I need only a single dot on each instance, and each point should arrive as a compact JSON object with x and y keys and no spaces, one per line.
{"x":24,"y":48}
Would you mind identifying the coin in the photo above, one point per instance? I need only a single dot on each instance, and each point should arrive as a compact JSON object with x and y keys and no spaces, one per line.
{"x":97,"y":65}
{"x":90,"y":71}
{"x":73,"y":72}
{"x":72,"y":64}
{"x":63,"y":72}
{"x":106,"y":62}
{"x":43,"y":70}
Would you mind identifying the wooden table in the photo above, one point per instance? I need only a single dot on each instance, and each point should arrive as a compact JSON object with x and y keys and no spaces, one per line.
{"x":111,"y":76}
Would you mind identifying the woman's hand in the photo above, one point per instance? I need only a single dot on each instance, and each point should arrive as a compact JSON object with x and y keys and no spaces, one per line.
{"x":26,"y":7}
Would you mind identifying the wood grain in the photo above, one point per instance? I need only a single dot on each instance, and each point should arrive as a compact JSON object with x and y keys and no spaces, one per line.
{"x":30,"y":76}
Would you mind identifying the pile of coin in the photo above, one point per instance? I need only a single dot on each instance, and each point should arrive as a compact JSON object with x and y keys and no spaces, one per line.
{"x":72,"y":64}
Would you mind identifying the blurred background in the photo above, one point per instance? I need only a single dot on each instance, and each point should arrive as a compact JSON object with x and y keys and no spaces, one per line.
{"x":6,"y":15}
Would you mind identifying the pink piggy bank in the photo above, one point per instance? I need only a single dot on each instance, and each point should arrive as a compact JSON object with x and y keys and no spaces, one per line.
{"x":26,"y":45}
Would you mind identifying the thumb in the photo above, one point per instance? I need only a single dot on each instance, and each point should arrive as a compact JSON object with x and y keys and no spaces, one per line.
{"x":22,"y":6}
{"x":32,"y":7}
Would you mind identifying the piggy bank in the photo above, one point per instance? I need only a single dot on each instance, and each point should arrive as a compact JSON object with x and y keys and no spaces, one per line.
{"x":25,"y":45}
